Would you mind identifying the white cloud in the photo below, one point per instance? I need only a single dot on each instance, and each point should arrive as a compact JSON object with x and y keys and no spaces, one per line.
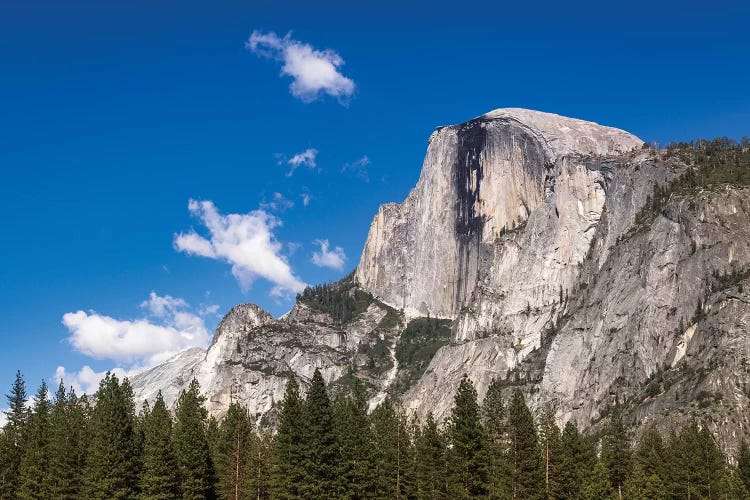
{"x":142,"y":342}
{"x":328,"y":258}
{"x":86,"y":380}
{"x":305,"y":199}
{"x":306,"y":158}
{"x":358,"y":168}
{"x":314,"y":72}
{"x":278,"y":203}
{"x":246,"y":241}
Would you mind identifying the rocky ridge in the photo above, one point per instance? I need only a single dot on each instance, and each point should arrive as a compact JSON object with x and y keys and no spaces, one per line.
{"x":536,"y":246}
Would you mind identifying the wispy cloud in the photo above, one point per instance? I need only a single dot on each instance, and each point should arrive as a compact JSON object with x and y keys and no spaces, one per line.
{"x":306,"y":158}
{"x":245,"y":241}
{"x":306,"y":197}
{"x":278,"y":203}
{"x":358,"y":168}
{"x":314,"y":72}
{"x":327,"y":257}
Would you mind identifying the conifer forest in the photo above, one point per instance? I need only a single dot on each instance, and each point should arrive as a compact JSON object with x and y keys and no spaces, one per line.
{"x":64,"y":446}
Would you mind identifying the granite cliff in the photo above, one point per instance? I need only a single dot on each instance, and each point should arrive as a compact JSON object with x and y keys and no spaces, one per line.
{"x":558,"y":255}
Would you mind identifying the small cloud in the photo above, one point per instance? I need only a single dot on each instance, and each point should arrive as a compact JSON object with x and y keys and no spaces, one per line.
{"x":358,"y":168}
{"x":208,"y":310}
{"x":306,"y":158}
{"x":314,"y":72}
{"x":245,"y":241}
{"x":326,"y":257}
{"x":306,"y":197}
{"x":86,"y":380}
{"x":278,"y":203}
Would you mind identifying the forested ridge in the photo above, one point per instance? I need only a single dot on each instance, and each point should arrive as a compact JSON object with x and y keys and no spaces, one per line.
{"x":65,"y":446}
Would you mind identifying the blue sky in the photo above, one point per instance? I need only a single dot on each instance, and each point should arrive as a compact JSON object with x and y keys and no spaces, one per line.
{"x":114,"y":115}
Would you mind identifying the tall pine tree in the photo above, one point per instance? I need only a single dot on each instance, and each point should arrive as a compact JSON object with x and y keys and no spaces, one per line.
{"x":577,"y":461}
{"x":616,"y":454}
{"x":321,"y":446}
{"x":549,"y":445}
{"x":494,"y":420}
{"x":159,"y":479}
{"x":233,"y":448}
{"x":288,"y":471}
{"x":35,"y":462}
{"x":355,"y":473}
{"x":112,"y":461}
{"x":526,"y":472}
{"x":191,"y":445}
{"x":67,"y":445}
{"x":431,"y":473}
{"x":13,"y":438}
{"x":468,"y":454}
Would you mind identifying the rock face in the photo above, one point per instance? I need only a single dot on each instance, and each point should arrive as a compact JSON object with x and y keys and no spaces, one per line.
{"x":536,"y":237}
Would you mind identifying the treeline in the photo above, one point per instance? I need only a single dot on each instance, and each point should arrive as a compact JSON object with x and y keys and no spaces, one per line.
{"x":73,"y":447}
{"x":341,"y":299}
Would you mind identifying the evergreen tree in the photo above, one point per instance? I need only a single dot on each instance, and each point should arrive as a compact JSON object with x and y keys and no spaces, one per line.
{"x":468,"y":454}
{"x":232,"y":451}
{"x":111,"y":463}
{"x":616,"y":452}
{"x":355,"y":478}
{"x":577,"y":461}
{"x":191,"y":445}
{"x":289,"y":446}
{"x":159,"y":478}
{"x":35,"y":461}
{"x":526,"y":473}
{"x":321,"y":447}
{"x":259,"y":467}
{"x":598,"y":486}
{"x":431,"y":466}
{"x":698,"y":468}
{"x":651,"y":455}
{"x":67,"y":448}
{"x":494,"y":421}
{"x":743,"y":464}
{"x":644,"y":486}
{"x":549,"y":445}
{"x":394,"y":458}
{"x":13,"y":438}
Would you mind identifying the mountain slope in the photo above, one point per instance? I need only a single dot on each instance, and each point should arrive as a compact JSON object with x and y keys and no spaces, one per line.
{"x":556,"y":254}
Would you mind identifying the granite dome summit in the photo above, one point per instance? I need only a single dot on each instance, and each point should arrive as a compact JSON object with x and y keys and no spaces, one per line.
{"x":536,"y":246}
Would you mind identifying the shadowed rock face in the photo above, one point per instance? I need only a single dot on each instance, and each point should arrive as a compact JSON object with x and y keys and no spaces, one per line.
{"x":528,"y":232}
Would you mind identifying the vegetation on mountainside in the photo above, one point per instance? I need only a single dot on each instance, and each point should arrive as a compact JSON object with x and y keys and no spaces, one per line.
{"x":417,"y":346}
{"x":341,"y":299}
{"x":325,"y":448}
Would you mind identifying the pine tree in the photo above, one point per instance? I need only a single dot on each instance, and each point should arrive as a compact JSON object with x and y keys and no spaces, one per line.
{"x":526,"y":473}
{"x":644,"y":486}
{"x":67,"y":449}
{"x":111,"y":463}
{"x":35,"y":461}
{"x":743,"y":464}
{"x":431,"y":466}
{"x":159,"y":478}
{"x":355,"y":478}
{"x":394,"y":453}
{"x":651,"y":454}
{"x":289,"y":446}
{"x":232,"y":451}
{"x":494,"y":421}
{"x":191,"y":445}
{"x":549,"y":445}
{"x":577,"y":461}
{"x":468,"y":455}
{"x":321,"y":447}
{"x":697,"y":464}
{"x":258,"y":469}
{"x":616,"y":453}
{"x":598,"y":486}
{"x":13,"y":437}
